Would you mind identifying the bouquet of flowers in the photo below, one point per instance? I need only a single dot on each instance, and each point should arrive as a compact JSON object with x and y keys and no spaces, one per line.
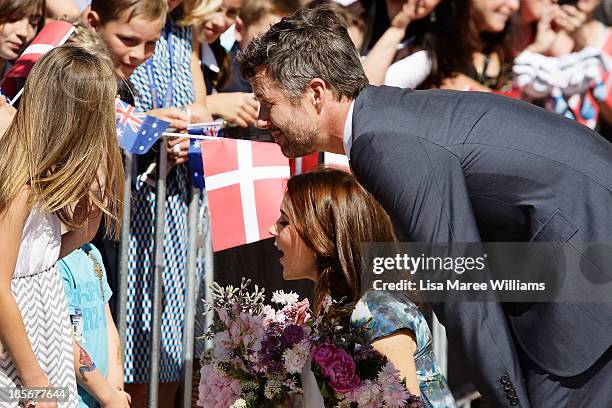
{"x":349,"y":372}
{"x":257,"y":350}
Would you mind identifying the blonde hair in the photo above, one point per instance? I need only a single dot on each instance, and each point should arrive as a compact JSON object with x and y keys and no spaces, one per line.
{"x":198,"y":11}
{"x":253,"y":11}
{"x":63,"y":143}
{"x":110,"y":10}
{"x":89,"y":40}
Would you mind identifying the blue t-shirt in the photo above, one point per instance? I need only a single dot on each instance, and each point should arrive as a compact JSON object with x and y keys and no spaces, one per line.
{"x":87,"y":293}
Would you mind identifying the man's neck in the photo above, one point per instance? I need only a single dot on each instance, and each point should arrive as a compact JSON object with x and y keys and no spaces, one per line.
{"x":337,"y":117}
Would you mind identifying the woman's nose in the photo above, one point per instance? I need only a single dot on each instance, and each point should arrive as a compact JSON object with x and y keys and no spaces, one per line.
{"x":272,"y":230}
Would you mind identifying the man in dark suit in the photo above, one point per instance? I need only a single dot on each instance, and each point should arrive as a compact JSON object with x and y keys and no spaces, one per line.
{"x":459,"y":167}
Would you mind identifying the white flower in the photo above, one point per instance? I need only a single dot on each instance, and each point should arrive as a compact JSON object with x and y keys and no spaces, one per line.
{"x":283,"y":298}
{"x":269,"y":314}
{"x":239,"y":403}
{"x":361,"y":313}
{"x":295,"y":358}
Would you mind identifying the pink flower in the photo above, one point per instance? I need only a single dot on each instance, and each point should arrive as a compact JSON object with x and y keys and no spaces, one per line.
{"x":223,"y":316}
{"x":340,"y":372}
{"x":215,"y":390}
{"x":324,"y":353}
{"x":302,"y":312}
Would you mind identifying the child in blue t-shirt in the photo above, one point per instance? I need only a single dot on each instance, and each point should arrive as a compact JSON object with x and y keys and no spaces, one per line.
{"x":87,"y":294}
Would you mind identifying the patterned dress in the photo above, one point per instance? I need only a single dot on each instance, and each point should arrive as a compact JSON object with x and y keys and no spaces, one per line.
{"x":39,"y":293}
{"x":384,"y":313}
{"x":142,"y":232}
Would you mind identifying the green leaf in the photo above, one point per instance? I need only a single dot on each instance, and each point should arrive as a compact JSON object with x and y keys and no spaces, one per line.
{"x":326,"y":392}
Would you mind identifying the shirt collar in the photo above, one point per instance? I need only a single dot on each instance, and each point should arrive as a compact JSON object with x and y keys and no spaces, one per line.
{"x":348,"y":131}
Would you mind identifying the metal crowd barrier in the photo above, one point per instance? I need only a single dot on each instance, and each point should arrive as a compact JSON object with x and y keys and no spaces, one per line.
{"x":199,"y":251}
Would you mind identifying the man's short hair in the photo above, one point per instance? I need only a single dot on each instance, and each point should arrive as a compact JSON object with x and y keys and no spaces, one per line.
{"x":312,"y":43}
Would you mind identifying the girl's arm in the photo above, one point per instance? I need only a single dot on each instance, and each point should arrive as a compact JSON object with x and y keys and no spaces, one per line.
{"x":73,"y":240}
{"x":115,"y":354}
{"x":12,"y":330}
{"x":89,"y":377}
{"x":399,"y":349}
{"x":381,"y":55}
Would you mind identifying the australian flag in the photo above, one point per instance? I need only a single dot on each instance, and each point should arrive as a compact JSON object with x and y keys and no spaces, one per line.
{"x":205,"y":129}
{"x":137,"y":131}
{"x":196,"y":164}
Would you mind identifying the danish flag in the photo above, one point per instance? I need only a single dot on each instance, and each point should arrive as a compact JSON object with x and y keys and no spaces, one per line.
{"x":304,"y":164}
{"x":245,"y":182}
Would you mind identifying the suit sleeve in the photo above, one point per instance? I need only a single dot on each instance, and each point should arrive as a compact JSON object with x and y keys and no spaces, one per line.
{"x":423,"y":188}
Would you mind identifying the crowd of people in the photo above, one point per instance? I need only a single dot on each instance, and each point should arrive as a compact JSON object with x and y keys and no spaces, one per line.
{"x":190,"y":61}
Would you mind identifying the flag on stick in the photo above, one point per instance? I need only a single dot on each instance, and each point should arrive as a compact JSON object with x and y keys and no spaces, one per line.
{"x":196,"y":165}
{"x":245,"y":182}
{"x":137,"y":131}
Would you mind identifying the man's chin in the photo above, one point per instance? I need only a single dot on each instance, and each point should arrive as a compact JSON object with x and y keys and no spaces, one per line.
{"x":293,"y":153}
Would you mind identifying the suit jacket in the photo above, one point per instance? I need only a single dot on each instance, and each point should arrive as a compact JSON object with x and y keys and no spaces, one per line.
{"x":469,"y":167}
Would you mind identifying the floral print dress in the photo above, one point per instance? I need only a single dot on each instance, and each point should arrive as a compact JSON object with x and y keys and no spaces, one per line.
{"x":384,"y":313}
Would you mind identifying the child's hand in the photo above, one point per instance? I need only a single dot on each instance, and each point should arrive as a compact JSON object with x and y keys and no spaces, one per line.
{"x":119,"y":399}
{"x":178,"y":118}
{"x":45,"y":404}
{"x":178,"y":151}
{"x":238,"y":108}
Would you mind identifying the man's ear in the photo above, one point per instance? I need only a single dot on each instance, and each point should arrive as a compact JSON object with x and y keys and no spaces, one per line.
{"x":92,"y":19}
{"x":318,"y":92}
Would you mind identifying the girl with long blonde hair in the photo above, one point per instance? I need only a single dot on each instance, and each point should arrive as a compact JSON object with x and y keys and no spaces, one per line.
{"x":60,"y":171}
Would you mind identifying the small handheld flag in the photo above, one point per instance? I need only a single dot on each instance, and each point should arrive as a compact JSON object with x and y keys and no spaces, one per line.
{"x":137,"y":131}
{"x":196,"y":165}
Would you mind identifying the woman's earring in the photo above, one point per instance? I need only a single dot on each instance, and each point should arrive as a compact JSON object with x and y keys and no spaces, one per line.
{"x":432,"y":17}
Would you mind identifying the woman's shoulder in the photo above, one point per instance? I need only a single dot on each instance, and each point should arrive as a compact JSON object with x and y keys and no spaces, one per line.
{"x":383,"y":313}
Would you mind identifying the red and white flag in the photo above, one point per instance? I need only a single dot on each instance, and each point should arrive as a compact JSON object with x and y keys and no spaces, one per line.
{"x":304,"y":164}
{"x":245,"y":182}
{"x":53,"y":34}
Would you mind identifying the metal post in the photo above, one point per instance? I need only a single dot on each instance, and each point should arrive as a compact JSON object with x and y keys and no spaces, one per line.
{"x":209,"y":270}
{"x":440,"y":345}
{"x":190,"y":295}
{"x":124,"y":247}
{"x":160,"y":218}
